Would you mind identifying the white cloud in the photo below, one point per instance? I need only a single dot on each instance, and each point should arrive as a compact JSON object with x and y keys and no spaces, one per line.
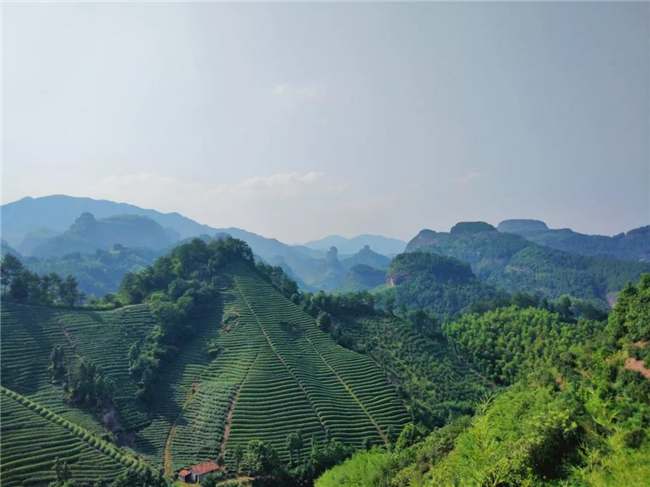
{"x":467,"y":178}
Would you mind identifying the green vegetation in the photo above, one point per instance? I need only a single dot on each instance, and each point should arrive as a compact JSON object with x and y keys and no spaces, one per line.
{"x":34,"y":438}
{"x":577,"y":415}
{"x":41,"y":345}
{"x":23,"y":286}
{"x":204,"y":353}
{"x":87,"y":235}
{"x":208,"y":356}
{"x":631,"y":315}
{"x":362,"y":277}
{"x":98,"y":273}
{"x":633,"y":245}
{"x":438,"y":284}
{"x":436,"y":385}
{"x":509,"y":343}
{"x":515,"y":264}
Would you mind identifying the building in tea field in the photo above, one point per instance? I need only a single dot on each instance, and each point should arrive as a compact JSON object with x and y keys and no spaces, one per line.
{"x":197,"y":472}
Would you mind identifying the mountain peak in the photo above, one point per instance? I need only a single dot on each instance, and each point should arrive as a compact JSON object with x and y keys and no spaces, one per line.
{"x":522,"y":226}
{"x":472,"y":227}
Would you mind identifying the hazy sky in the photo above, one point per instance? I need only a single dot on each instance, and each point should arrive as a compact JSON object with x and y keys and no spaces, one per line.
{"x":301,"y":120}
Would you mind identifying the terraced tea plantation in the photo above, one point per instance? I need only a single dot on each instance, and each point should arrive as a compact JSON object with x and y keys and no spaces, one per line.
{"x":33,"y":437}
{"x":256,"y":367}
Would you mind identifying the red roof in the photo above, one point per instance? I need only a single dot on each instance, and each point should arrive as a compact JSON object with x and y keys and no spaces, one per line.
{"x":206,"y":467}
{"x":184,"y":473}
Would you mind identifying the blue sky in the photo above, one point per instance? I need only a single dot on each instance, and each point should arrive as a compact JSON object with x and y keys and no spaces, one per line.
{"x":302,"y":120}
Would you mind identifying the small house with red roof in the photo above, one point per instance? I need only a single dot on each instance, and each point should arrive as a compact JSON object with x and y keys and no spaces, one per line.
{"x":197,"y":472}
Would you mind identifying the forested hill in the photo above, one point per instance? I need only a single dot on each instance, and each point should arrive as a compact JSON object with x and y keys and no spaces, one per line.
{"x":575,"y":410}
{"x":87,"y":235}
{"x":632,"y":245}
{"x":513,"y":263}
{"x":204,"y":358}
{"x":439,"y":284}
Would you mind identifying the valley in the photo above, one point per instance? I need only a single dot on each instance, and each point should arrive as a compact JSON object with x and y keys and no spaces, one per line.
{"x":294,"y":365}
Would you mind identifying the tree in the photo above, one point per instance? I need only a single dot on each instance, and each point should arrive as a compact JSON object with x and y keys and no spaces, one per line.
{"x":140,"y":478}
{"x":68,"y":292}
{"x":366,"y":444}
{"x":61,"y":471}
{"x":390,"y":303}
{"x":564,"y":309}
{"x":19,"y":289}
{"x":423,"y":323}
{"x":238,"y":456}
{"x":390,"y":434}
{"x":260,"y":458}
{"x":57,"y":366}
{"x":294,"y":444}
{"x":10,"y":268}
{"x":212,"y":480}
{"x":410,"y":435}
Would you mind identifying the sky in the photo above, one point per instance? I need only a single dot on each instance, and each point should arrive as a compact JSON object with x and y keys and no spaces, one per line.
{"x":301,"y":120}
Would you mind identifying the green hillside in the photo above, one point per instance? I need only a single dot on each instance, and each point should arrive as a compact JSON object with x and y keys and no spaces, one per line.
{"x":366,"y":256}
{"x":34,"y":437}
{"x":87,"y":235}
{"x":436,"y":384}
{"x":30,"y":333}
{"x":98,"y":273}
{"x":575,"y":412}
{"x":254,"y":366}
{"x":513,"y":263}
{"x":436,"y":283}
{"x":632,"y":245}
{"x":362,"y":277}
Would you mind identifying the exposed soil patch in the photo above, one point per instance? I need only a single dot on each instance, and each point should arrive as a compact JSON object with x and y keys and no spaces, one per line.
{"x":637,"y":365}
{"x":168,"y":444}
{"x":226,"y":429}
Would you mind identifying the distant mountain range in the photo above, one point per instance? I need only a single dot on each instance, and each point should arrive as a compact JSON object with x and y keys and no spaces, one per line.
{"x":379,"y":243}
{"x":59,"y":225}
{"x":519,"y":255}
{"x":87,"y":235}
{"x":633,"y":245}
{"x":516,"y":264}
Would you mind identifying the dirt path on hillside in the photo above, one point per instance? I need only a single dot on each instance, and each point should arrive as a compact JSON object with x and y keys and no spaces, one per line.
{"x":231,"y":407}
{"x":196,"y":386}
{"x":281,"y":358}
{"x":66,"y":333}
{"x":226,"y":428}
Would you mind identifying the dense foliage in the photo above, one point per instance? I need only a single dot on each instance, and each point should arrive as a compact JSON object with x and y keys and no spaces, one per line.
{"x":85,"y":383}
{"x":507,"y":343}
{"x":189,"y":275}
{"x":513,"y":263}
{"x":580,"y":420}
{"x":277,"y":277}
{"x":436,"y":385}
{"x":98,"y":273}
{"x":24,"y":286}
{"x":440,"y":285}
{"x":631,"y":315}
{"x":362,"y":277}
